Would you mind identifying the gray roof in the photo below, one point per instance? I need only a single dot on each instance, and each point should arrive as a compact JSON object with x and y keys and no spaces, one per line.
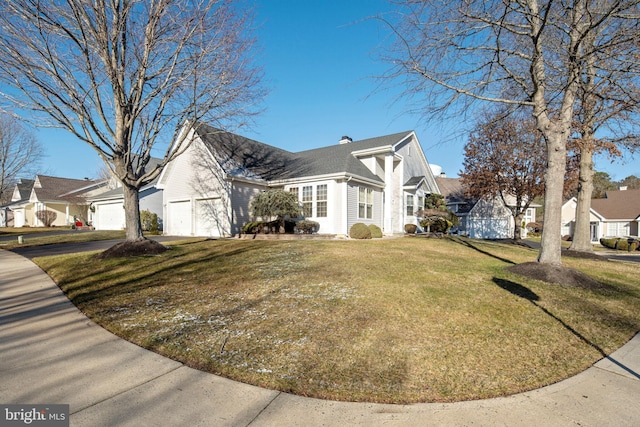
{"x":243,"y":156}
{"x":53,"y":188}
{"x":24,"y":188}
{"x":117,"y":193}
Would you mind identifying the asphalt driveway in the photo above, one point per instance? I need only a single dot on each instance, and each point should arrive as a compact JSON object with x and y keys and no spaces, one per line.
{"x":70,"y":248}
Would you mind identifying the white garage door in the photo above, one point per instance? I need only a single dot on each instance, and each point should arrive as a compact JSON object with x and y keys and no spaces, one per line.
{"x":18,"y":218}
{"x":179,"y":223}
{"x":210,"y":218}
{"x":110,"y":216}
{"x":490,"y":228}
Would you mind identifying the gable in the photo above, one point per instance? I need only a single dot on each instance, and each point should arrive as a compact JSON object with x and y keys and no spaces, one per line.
{"x":489,"y":208}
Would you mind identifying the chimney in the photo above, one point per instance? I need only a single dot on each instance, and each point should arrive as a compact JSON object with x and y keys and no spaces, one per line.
{"x":443,"y":175}
{"x":345,"y":140}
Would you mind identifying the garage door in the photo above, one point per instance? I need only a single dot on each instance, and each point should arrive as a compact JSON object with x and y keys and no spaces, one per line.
{"x":110,"y":216}
{"x":210,"y":218}
{"x":179,"y":223}
{"x":18,"y":218}
{"x":490,"y":228}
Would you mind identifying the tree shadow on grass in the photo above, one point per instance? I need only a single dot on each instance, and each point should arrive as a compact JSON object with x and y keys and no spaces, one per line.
{"x":526,"y":293}
{"x":468,"y":244}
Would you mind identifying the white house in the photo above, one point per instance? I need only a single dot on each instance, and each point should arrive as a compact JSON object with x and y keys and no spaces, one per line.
{"x":487,"y":218}
{"x":64,"y":196}
{"x":107,"y":208}
{"x":208,"y":188}
{"x":615,"y":215}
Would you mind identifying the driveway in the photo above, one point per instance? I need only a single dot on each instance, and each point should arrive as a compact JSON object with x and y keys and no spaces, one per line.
{"x":70,"y":248}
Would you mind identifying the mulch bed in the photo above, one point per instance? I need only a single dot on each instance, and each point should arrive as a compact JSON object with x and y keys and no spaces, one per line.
{"x":128,"y":248}
{"x":552,"y":273}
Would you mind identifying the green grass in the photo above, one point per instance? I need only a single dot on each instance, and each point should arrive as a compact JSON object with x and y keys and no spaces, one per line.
{"x":387,"y":320}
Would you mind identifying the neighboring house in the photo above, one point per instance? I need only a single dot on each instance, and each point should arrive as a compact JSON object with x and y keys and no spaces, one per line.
{"x":19,"y":198}
{"x":107,"y":209}
{"x":616,"y":215}
{"x":207,"y":189}
{"x":487,"y":218}
{"x":66,"y":197}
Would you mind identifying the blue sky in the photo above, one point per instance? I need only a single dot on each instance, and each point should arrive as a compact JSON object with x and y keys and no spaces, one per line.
{"x":319,"y":59}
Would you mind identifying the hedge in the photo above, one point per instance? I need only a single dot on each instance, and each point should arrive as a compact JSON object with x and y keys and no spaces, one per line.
{"x":620,"y":243}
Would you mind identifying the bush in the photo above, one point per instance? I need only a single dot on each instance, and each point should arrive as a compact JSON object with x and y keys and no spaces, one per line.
{"x":307,"y":227}
{"x":47,"y":217}
{"x":359,"y":231}
{"x":410,"y":228}
{"x":436,"y":225}
{"x":253,"y":227}
{"x":149,"y":221}
{"x":376,"y":232}
{"x":620,"y":243}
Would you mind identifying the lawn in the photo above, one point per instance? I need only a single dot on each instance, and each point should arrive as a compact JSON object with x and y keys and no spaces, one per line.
{"x":386,"y":320}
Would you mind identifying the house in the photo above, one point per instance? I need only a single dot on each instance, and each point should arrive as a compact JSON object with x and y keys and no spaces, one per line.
{"x":20,"y":196}
{"x":107,"y":208}
{"x":207,"y":189}
{"x":615,"y":215}
{"x":67,"y":198}
{"x":487,"y":218}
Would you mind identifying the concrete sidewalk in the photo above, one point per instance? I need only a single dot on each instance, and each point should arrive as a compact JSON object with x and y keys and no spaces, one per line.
{"x":51,"y":353}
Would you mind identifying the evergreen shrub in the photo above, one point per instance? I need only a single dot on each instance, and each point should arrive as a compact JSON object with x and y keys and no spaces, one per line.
{"x":359,"y":231}
{"x":376,"y":232}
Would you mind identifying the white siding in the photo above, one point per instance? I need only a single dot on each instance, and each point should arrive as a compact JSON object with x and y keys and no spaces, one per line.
{"x":241,"y":195}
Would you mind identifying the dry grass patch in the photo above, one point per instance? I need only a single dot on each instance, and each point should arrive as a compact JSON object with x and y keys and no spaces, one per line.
{"x":398,"y":320}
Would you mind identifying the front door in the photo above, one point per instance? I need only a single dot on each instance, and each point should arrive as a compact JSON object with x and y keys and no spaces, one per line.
{"x":594,"y":231}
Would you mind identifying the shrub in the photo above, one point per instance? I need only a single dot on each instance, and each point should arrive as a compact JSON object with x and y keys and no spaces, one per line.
{"x":619,"y":243}
{"x":359,"y":231}
{"x":376,"y":232}
{"x":47,"y":217}
{"x":307,"y":227}
{"x":436,"y":225}
{"x":253,"y":227}
{"x":410,"y":228}
{"x":149,"y":221}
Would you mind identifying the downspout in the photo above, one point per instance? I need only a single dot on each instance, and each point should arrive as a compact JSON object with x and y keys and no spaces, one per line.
{"x":345,"y":208}
{"x":231,"y":220}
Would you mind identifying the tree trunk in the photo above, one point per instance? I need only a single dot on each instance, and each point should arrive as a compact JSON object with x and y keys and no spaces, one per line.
{"x":582,"y":232}
{"x":132,"y":213}
{"x":551,"y":243}
{"x":517,"y":231}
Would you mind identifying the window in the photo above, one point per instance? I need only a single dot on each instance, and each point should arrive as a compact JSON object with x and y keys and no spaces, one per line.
{"x":365,"y":203}
{"x":307,"y":201}
{"x":420,"y":202}
{"x":410,"y":211}
{"x":321,"y":200}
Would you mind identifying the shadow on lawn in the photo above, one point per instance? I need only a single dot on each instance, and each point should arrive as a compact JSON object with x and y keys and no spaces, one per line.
{"x":526,"y":293}
{"x":468,"y":244}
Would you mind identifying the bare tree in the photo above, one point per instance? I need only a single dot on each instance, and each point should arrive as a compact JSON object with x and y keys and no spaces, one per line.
{"x":607,"y":98}
{"x":129,"y":77}
{"x":519,"y":53}
{"x":20,"y":153}
{"x":504,"y":158}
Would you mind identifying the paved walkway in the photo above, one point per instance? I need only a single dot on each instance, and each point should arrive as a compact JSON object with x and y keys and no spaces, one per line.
{"x":51,"y":353}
